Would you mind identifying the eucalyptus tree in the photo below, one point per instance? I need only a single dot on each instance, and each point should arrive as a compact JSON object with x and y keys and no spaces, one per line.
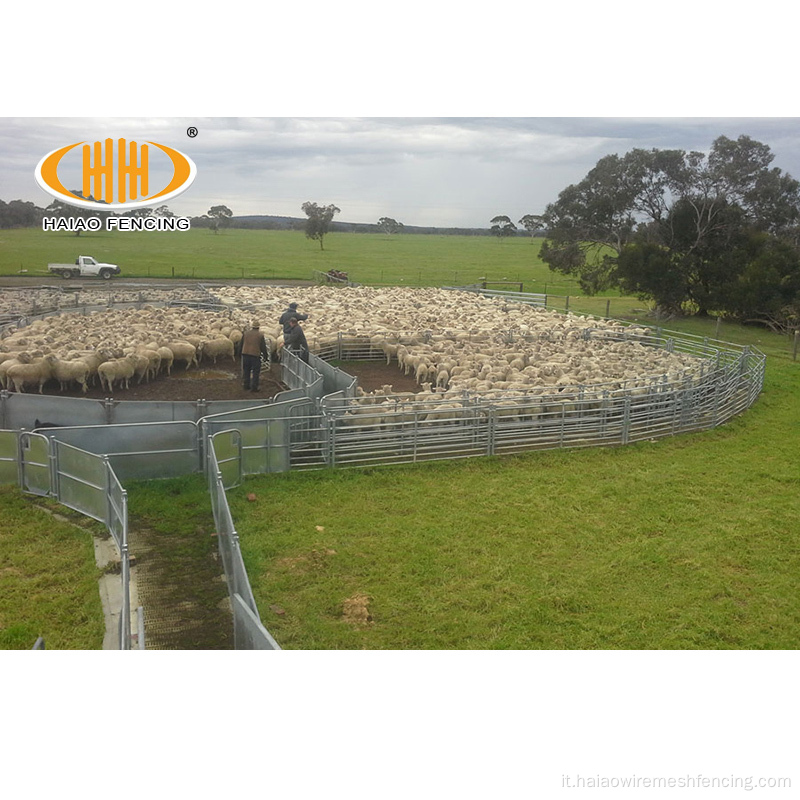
{"x":672,"y":225}
{"x":389,"y":225}
{"x":319,"y":220}
{"x":502,"y":226}
{"x":533,"y":223}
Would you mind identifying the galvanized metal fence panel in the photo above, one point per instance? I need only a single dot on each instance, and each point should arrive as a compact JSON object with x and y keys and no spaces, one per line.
{"x":117,"y":515}
{"x":265,"y":431}
{"x":82,"y":481}
{"x":529,"y":298}
{"x":31,"y":410}
{"x":85,"y":482}
{"x":19,"y":410}
{"x":334,"y":379}
{"x":9,"y":457}
{"x":248,"y":632}
{"x":36,"y":467}
{"x":140,"y":451}
{"x":227,"y":446}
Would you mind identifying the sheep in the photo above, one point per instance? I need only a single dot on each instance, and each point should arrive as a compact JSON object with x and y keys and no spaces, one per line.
{"x":20,"y":358}
{"x":166,"y":358}
{"x":428,"y":332}
{"x":183,"y":351}
{"x":119,"y":369}
{"x":141,"y":365}
{"x":69,"y":371}
{"x":445,"y":413}
{"x":217,"y":348}
{"x":153,"y":360}
{"x":37,"y":372}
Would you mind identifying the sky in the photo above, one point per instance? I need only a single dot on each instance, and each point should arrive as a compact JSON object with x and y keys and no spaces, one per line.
{"x":440,"y":171}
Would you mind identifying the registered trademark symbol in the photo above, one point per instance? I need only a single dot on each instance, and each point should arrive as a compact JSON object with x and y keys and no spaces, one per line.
{"x":192,"y":132}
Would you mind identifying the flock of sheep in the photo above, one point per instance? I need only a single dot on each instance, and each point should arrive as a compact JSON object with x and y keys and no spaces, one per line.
{"x":454,"y":341}
{"x":461,"y":341}
{"x":24,"y":301}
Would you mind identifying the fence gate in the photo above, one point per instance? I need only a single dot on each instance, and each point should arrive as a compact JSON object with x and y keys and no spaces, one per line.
{"x":35,"y":463}
{"x":228,"y":449}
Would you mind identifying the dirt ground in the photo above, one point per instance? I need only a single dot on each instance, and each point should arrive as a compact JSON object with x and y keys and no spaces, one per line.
{"x":222,"y":381}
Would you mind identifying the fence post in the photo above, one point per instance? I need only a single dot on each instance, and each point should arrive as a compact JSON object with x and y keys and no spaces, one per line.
{"x":796,"y":342}
{"x":626,"y":420}
{"x":52,"y":454}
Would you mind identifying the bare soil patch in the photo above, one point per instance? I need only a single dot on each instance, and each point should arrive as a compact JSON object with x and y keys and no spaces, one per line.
{"x":355,"y":610}
{"x":375,"y":374}
{"x":222,"y":381}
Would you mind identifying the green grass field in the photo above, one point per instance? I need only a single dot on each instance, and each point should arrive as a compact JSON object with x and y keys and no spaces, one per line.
{"x":410,"y":260}
{"x":689,"y":542}
{"x":48,"y":577}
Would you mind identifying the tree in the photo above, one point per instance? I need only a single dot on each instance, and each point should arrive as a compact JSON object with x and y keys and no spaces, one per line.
{"x":502,"y":226}
{"x":58,"y":208}
{"x":219,"y":216}
{"x":389,"y":225}
{"x":149,"y":211}
{"x":20,"y":214}
{"x":670,"y":225}
{"x":533,"y":223}
{"x":319,"y":220}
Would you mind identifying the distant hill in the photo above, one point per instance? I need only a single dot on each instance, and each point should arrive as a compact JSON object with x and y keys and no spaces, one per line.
{"x":273,"y":222}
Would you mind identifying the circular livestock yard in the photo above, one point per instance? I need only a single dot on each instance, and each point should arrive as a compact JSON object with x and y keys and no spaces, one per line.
{"x":437,"y":346}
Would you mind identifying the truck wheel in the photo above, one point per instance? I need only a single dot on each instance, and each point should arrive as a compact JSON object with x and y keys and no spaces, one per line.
{"x":105,"y":274}
{"x":66,"y":273}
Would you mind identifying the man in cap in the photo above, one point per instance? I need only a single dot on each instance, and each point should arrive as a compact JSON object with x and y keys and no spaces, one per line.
{"x":295,"y":340}
{"x":253,"y":347}
{"x":291,"y":312}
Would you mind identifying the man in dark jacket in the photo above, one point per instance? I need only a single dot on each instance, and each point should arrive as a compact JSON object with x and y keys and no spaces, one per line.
{"x":253,"y":346}
{"x":295,"y":340}
{"x":288,"y":314}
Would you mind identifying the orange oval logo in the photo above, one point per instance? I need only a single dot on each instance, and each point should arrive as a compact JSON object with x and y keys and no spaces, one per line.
{"x":115,"y":176}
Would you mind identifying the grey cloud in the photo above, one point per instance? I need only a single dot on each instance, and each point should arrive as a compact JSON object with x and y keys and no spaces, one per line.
{"x":424,"y":171}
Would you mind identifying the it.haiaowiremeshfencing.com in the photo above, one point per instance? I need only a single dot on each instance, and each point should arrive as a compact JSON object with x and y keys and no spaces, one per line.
{"x":746,"y":782}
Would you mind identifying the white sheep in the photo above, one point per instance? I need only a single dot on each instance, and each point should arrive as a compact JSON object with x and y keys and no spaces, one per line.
{"x":34,"y":373}
{"x":118,"y":369}
{"x":71,"y":371}
{"x":217,"y":348}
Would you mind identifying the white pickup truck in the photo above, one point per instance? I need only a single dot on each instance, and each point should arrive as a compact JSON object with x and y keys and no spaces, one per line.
{"x":83,"y":266}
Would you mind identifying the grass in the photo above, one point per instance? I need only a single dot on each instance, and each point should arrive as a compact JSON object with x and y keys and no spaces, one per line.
{"x":410,"y":260}
{"x":686,"y":543}
{"x":49,"y":578}
{"x":683,"y":543}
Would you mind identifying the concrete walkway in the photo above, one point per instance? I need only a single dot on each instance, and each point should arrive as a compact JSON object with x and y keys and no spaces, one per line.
{"x":107,"y":559}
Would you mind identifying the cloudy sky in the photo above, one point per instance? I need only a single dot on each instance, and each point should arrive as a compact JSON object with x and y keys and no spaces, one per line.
{"x":420,"y":170}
